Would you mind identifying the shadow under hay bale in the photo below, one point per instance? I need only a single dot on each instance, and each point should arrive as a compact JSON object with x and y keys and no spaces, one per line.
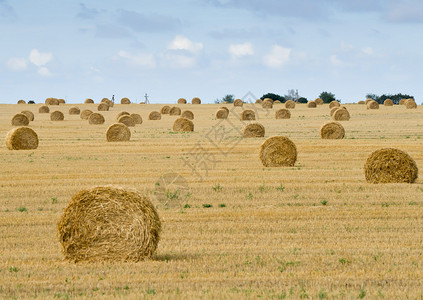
{"x":118,"y":132}
{"x":84,"y":115}
{"x":282,"y":113}
{"x":96,"y":119}
{"x":248,"y":115}
{"x":341,"y":114}
{"x":20,"y":120}
{"x":278,"y":151}
{"x":222,"y":114}
{"x":175,"y":111}
{"x":127,"y":120}
{"x":57,"y":116}
{"x":332,"y":130}
{"x":182,"y":101}
{"x":187,"y":114}
{"x":290,"y":104}
{"x":109,"y":224}
{"x":137,"y":118}
{"x":125,"y":101}
{"x":164,"y":110}
{"x":154,"y":115}
{"x":44,"y":109}
{"x":390,"y":165}
{"x":29,"y":114}
{"x":238,"y":102}
{"x":196,"y":100}
{"x":253,"y":130}
{"x":183,"y":124}
{"x":74,"y":110}
{"x":22,"y":138}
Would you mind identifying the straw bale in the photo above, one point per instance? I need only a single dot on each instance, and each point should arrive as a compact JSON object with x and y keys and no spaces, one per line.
{"x":183,"y":124}
{"x":253,"y":130}
{"x":118,"y":132}
{"x":278,"y":151}
{"x":96,"y":119}
{"x":332,"y":130}
{"x":20,"y":120}
{"x":21,"y":138}
{"x":282,"y":113}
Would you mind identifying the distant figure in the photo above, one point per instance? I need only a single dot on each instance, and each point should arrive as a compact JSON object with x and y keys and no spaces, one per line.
{"x":146,"y":99}
{"x":113,"y":98}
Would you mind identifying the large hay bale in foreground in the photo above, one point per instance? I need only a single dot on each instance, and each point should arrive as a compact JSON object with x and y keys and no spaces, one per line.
{"x":44,"y":109}
{"x":372,"y":105}
{"x":182,"y":101}
{"x":74,"y":110}
{"x":196,"y":100}
{"x":175,"y":111}
{"x":282,"y":113}
{"x":96,"y":119}
{"x":267,"y":103}
{"x":103,"y":106}
{"x":332,"y":130}
{"x":278,"y":151}
{"x":118,"y":132}
{"x":52,"y":101}
{"x":20,"y":120}
{"x":21,"y":101}
{"x":319,"y":101}
{"x":122,"y":113}
{"x":341,"y":114}
{"x":125,"y":100}
{"x":89,"y":101}
{"x":253,"y":130}
{"x":388,"y":102}
{"x":248,"y":115}
{"x":84,"y":115}
{"x":183,"y":124}
{"x":187,"y":114}
{"x":154,"y":115}
{"x":390,"y":165}
{"x":29,"y":114}
{"x":109,"y":224}
{"x":290,"y":104}
{"x":238,"y":102}
{"x":137,"y":118}
{"x":127,"y":120}
{"x":57,"y":116}
{"x":222,"y":114}
{"x":334,"y":103}
{"x":21,"y":138}
{"x":164,"y":110}
{"x":311,"y":104}
{"x":410,"y":104}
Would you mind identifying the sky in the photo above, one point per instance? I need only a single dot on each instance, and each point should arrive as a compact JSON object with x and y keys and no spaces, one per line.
{"x":209,"y":48}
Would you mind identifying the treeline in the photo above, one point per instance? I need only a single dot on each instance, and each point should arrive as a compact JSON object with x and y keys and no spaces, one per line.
{"x":395,"y":98}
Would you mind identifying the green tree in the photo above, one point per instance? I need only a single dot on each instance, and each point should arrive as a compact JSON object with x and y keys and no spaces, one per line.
{"x":327,"y":97}
{"x":394,"y":97}
{"x":227,"y":98}
{"x":302,"y":100}
{"x":274,"y":97}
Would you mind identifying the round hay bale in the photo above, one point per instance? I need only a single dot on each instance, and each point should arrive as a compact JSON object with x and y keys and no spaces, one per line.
{"x":96,"y":119}
{"x":259,"y":101}
{"x":182,"y":101}
{"x":341,"y":114}
{"x":175,"y":111}
{"x":196,"y":100}
{"x":187,"y":114}
{"x":311,"y":104}
{"x":368,"y":100}
{"x":332,"y":110}
{"x":109,"y":224}
{"x":164,"y":110}
{"x":137,"y":118}
{"x":57,"y":116}
{"x":154,"y":115}
{"x":334,"y":103}
{"x":127,"y":120}
{"x":282,"y":113}
{"x":267,"y":103}
{"x":402,"y":101}
{"x":388,"y":102}
{"x":118,"y":132}
{"x":248,"y":115}
{"x":85,"y":114}
{"x":21,"y":102}
{"x":74,"y":110}
{"x":21,"y":138}
{"x":103,"y":106}
{"x":332,"y":130}
{"x":290,"y":104}
{"x":253,"y":130}
{"x":222,"y":114}
{"x":372,"y":105}
{"x":319,"y":101}
{"x":20,"y":120}
{"x":410,"y":104}
{"x":277,"y":102}
{"x":183,"y":124}
{"x":29,"y":114}
{"x":52,"y":101}
{"x":107,"y":101}
{"x":361,"y":102}
{"x":268,"y":99}
{"x":61,"y":101}
{"x":225,"y":108}
{"x":89,"y":101}
{"x":238,"y":102}
{"x":278,"y":151}
{"x":390,"y":165}
{"x":44,"y":109}
{"x":122,"y":113}
{"x":125,"y":100}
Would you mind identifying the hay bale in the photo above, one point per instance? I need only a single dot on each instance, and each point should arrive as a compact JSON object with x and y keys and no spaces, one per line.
{"x":332,"y":130}
{"x":290,"y":104}
{"x":402,"y":101}
{"x":164,"y":110}
{"x":85,"y":114}
{"x":410,"y":104}
{"x":21,"y":102}
{"x":89,"y":101}
{"x":388,"y":102}
{"x":372,"y":105}
{"x":137,"y":118}
{"x":44,"y":109}
{"x":222,"y":114}
{"x":21,"y":138}
{"x":20,"y":120}
{"x":29,"y":114}
{"x":183,"y":124}
{"x":318,"y":101}
{"x":282,"y":113}
{"x":334,"y":103}
{"x":187,"y":114}
{"x":277,"y":102}
{"x":278,"y":151}
{"x":182,"y":101}
{"x":154,"y":115}
{"x":368,"y":100}
{"x":268,"y":99}
{"x":175,"y":111}
{"x":57,"y":116}
{"x":341,"y":114}
{"x":52,"y":101}
{"x":122,"y":113}
{"x":127,"y":120}
{"x":238,"y":102}
{"x":259,"y":101}
{"x":225,"y":108}
{"x":332,"y":111}
{"x":62,"y":101}
{"x":109,"y":224}
{"x":390,"y":165}
{"x":253,"y":130}
{"x":74,"y":110}
{"x":118,"y":132}
{"x":248,"y":115}
{"x":107,"y":101}
{"x":361,"y":102}
{"x":125,"y":100}
{"x":96,"y":119}
{"x":311,"y":104}
{"x":267,"y":103}
{"x":196,"y":100}
{"x":103,"y":106}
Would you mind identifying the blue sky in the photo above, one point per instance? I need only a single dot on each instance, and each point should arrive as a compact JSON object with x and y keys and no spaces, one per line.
{"x":209,"y":48}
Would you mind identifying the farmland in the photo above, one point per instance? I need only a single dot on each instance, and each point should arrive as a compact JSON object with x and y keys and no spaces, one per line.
{"x":233,"y":229}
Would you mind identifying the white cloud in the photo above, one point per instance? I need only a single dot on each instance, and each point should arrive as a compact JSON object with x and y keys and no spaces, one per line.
{"x":16,"y":64}
{"x":368,"y":50}
{"x":238,"y":50}
{"x":182,"y":43}
{"x":38,"y":58}
{"x":43,"y":71}
{"x":336,"y":61}
{"x":141,"y":59}
{"x":278,"y":57}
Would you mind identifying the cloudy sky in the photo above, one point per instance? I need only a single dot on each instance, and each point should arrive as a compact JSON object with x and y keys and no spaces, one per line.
{"x":209,"y":48}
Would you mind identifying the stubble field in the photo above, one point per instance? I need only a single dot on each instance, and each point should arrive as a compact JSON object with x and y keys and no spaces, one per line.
{"x":232,"y":228}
